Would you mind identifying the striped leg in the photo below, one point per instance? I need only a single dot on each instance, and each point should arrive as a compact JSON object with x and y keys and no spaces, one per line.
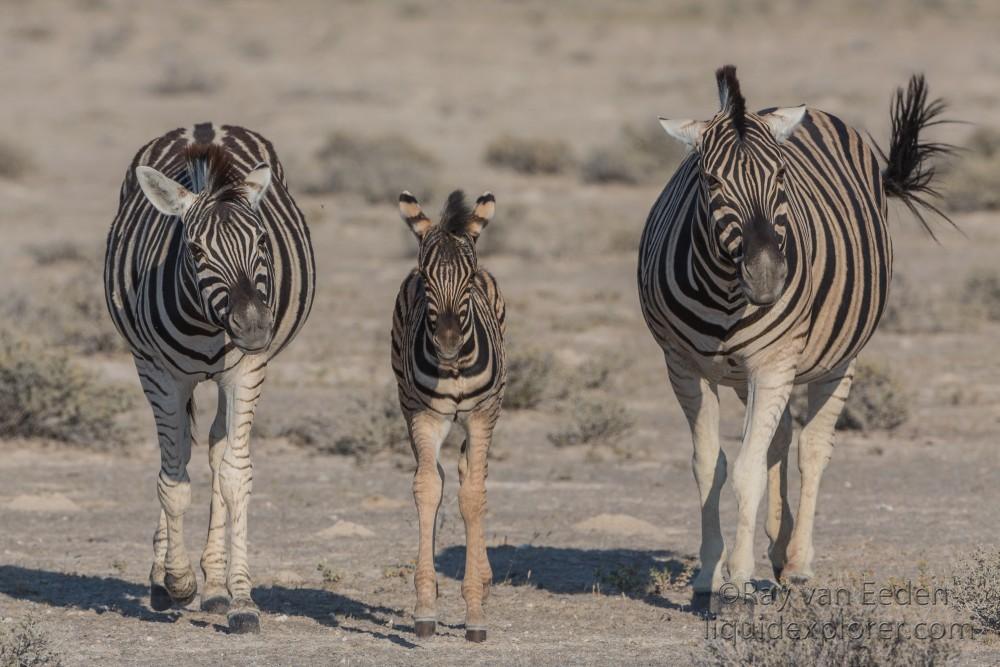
{"x":242,"y":389}
{"x":767,"y":402}
{"x":215,"y":597}
{"x":779,"y":515}
{"x":170,"y":401}
{"x":484,"y":562}
{"x":826,"y":401}
{"x":472,"y":503}
{"x":699,"y":400}
{"x":427,"y":432}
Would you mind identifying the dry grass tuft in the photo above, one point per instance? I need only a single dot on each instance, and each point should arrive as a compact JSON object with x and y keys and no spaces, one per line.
{"x":528,"y":375}
{"x":878,"y":401}
{"x":639,"y":155}
{"x":973,"y":181}
{"x":982,"y":293}
{"x":184,"y":80}
{"x":977,"y":589}
{"x":25,"y":645}
{"x":378,"y":168}
{"x":529,"y":156}
{"x":15,"y":163}
{"x":603,"y":421}
{"x":44,"y":395}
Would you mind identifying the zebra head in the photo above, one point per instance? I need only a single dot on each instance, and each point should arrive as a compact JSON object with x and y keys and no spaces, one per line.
{"x":225,"y":242}
{"x":743,"y":173}
{"x":447,"y":264}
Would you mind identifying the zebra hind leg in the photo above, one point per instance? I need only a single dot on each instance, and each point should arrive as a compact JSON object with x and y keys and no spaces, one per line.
{"x":826,"y":401}
{"x":215,"y":597}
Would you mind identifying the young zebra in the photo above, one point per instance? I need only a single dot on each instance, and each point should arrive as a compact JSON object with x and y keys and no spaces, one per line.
{"x":209,"y":274}
{"x":448,"y":357}
{"x":765,"y":263}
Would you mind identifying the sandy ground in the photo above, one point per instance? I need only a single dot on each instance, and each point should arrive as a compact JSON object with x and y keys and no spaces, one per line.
{"x":80,"y":96}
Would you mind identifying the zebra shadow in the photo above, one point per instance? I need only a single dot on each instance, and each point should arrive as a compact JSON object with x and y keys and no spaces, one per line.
{"x":129,"y":599}
{"x":570,"y":571}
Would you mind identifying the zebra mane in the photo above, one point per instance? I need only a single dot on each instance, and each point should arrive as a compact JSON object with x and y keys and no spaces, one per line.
{"x":456,"y":213}
{"x":730,"y":97}
{"x":213,"y":170}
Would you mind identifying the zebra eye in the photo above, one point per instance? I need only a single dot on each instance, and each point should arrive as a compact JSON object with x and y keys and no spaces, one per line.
{"x":262,"y":242}
{"x":780,"y":174}
{"x":197,"y":254}
{"x":713,"y":181}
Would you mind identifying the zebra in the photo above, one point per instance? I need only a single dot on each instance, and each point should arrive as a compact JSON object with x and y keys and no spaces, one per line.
{"x":448,"y":359}
{"x":209,"y":274}
{"x":764,"y":263}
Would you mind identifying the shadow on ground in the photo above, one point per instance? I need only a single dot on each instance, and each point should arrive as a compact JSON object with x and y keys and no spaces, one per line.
{"x":112,"y":595}
{"x":633,"y":573}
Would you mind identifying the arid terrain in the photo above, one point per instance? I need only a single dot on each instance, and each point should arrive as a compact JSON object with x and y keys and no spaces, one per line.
{"x":592,"y":541}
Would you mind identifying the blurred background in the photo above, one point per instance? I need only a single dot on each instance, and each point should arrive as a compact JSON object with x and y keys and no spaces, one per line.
{"x":552,"y":106}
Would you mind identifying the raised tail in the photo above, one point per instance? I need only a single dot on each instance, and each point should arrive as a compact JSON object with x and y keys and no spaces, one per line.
{"x":909,"y":175}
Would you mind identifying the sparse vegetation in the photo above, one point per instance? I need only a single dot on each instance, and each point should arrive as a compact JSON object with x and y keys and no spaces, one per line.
{"x":877,"y":401}
{"x":529,"y":156}
{"x":56,"y":252}
{"x":639,"y":155}
{"x":184,"y":80}
{"x":913,"y":310}
{"x":594,"y":421}
{"x":625,"y":579}
{"x":25,"y":645}
{"x":14,"y":162}
{"x":973,"y":181}
{"x":369,"y":426}
{"x":44,"y":395}
{"x":378,"y":168}
{"x":977,"y":589}
{"x":331,"y":577}
{"x":528,"y":375}
{"x":982,"y":293}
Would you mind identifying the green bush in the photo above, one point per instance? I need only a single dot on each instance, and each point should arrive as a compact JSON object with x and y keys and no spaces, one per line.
{"x":44,"y":395}
{"x":529,"y":156}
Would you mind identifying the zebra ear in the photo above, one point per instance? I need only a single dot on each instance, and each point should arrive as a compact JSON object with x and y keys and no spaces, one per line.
{"x":256,"y":184}
{"x":167,"y":195}
{"x":413,"y":215}
{"x":688,"y":132}
{"x":486,"y":206}
{"x":783,"y":121}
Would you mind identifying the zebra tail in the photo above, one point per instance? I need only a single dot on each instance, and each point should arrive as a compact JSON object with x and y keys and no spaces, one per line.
{"x":909,"y":175}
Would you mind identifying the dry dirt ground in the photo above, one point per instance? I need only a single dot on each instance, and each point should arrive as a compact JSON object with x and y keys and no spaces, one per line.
{"x":86,"y":83}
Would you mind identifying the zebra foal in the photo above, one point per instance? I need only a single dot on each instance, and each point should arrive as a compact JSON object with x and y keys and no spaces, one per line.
{"x":448,"y":358}
{"x":766,"y":263}
{"x":208,"y":275}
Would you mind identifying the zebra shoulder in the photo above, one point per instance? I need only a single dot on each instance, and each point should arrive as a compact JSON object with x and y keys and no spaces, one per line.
{"x":487,"y":286}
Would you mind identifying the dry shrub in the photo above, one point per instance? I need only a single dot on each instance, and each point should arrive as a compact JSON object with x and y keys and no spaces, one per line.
{"x":378,"y":168}
{"x":977,"y":589}
{"x":912,"y":310}
{"x":44,"y":395}
{"x":15,"y":163}
{"x":877,"y":401}
{"x":25,"y":645}
{"x":528,"y":374}
{"x":184,"y":80}
{"x":57,"y":252}
{"x":982,"y":293}
{"x":594,"y":422}
{"x":369,"y":426}
{"x":529,"y":156}
{"x":842,"y":630}
{"x":639,"y":155}
{"x":973,"y":180}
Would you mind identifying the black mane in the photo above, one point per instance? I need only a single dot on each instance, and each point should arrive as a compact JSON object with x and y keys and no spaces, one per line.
{"x":456,"y":213}
{"x":213,"y":170}
{"x":731,"y":98}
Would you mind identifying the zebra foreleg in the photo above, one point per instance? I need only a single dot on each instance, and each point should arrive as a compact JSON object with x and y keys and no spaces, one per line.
{"x":171,"y":572}
{"x":427,"y":432}
{"x":215,"y":597}
{"x":236,"y":482}
{"x":767,"y":400}
{"x":484,"y":562}
{"x":472,"y":503}
{"x":699,"y":399}
{"x":826,"y":401}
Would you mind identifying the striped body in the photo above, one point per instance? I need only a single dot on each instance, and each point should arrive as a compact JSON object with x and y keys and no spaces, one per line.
{"x":839,"y":255}
{"x":477,"y":379}
{"x":151,"y":293}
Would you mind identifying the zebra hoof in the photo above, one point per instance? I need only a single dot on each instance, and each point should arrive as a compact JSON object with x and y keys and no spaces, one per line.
{"x":217,"y":604}
{"x":477,"y":635}
{"x":244,"y":622}
{"x":159,"y":598}
{"x":182,"y":589}
{"x":424,"y":629}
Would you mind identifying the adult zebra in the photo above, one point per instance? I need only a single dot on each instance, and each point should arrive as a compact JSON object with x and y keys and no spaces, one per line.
{"x":765,"y":263}
{"x":448,"y":358}
{"x":209,"y":274}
